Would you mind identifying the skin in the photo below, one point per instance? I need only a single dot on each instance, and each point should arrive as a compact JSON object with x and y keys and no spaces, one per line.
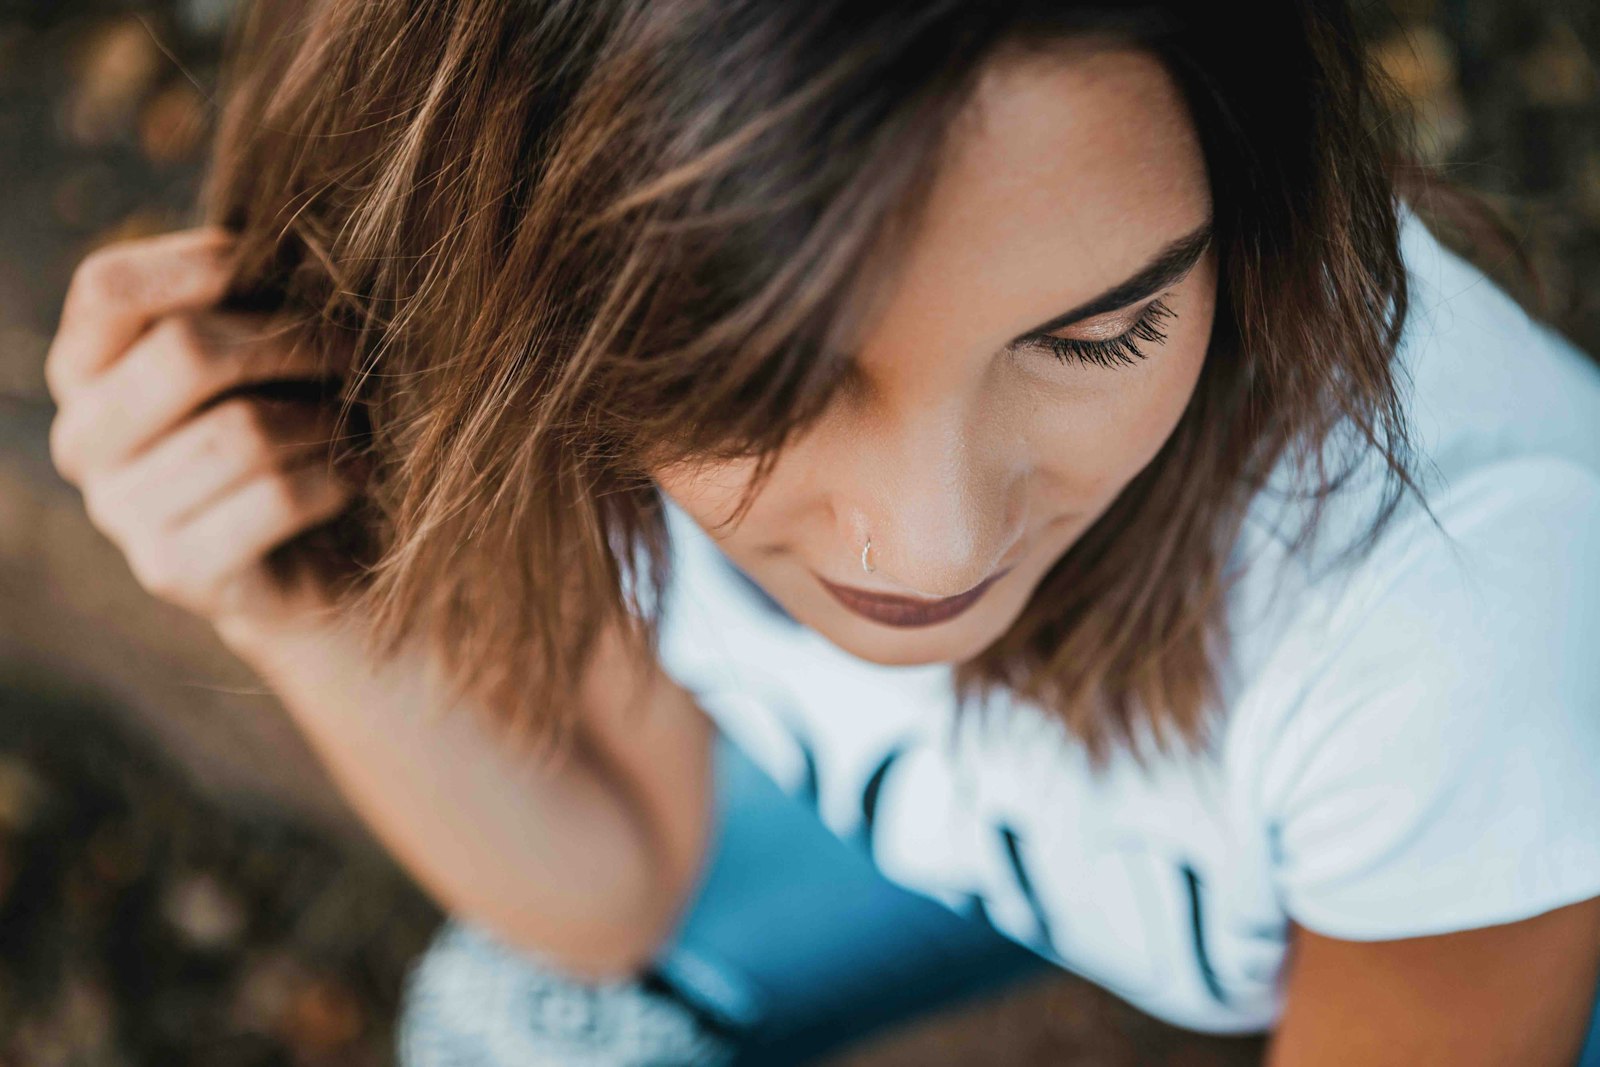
{"x":195,"y":489}
{"x":959,"y":455}
{"x":1516,"y":993}
{"x":954,"y":452}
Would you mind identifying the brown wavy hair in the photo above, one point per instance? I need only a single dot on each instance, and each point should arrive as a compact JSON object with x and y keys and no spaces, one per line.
{"x":561,"y":242}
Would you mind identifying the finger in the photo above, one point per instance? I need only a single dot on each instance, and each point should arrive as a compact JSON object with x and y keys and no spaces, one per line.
{"x":212,"y":452}
{"x":180,"y":364}
{"x":253,"y":518}
{"x":119,"y":290}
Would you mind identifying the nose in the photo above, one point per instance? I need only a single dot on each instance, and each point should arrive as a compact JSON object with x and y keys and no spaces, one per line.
{"x":940,"y":492}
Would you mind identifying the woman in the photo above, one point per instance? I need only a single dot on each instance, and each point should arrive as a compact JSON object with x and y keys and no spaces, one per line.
{"x":1041,"y":437}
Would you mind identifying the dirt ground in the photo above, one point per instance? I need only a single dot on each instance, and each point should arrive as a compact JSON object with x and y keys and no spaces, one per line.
{"x":178,"y":882}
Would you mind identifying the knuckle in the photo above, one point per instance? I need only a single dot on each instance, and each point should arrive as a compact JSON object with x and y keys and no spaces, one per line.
{"x":239,"y":419}
{"x":283,"y":494}
{"x":99,"y":507}
{"x":221,"y":433}
{"x":179,"y":331}
{"x":182,"y":341}
{"x":210,"y":248}
{"x":157,"y":568}
{"x":63,"y":438}
{"x":55,"y":376}
{"x":181,"y":364}
{"x":107,"y":274}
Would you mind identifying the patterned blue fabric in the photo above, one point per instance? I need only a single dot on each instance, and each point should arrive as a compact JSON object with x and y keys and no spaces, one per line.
{"x":473,"y":1002}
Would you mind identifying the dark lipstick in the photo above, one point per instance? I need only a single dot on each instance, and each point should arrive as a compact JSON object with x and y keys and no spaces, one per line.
{"x":907,"y":612}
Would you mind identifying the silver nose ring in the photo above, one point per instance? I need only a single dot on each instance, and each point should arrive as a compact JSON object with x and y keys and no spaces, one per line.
{"x":866,"y":548}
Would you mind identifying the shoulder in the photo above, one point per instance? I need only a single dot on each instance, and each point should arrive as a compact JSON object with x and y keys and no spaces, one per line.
{"x":1482,"y":380}
{"x":1416,"y":730}
{"x":1496,"y":571}
{"x":1420,"y":747}
{"x":1503,"y":414}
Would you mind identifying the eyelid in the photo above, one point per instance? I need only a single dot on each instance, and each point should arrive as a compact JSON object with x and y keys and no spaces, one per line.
{"x":1121,"y":349}
{"x":1097,"y":329}
{"x":1116,"y":323}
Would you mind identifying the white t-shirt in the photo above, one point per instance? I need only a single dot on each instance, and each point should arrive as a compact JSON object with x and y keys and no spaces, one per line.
{"x":1410,"y":745}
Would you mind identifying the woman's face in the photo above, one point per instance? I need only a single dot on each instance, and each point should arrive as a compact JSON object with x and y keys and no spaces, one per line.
{"x":1073,"y":206}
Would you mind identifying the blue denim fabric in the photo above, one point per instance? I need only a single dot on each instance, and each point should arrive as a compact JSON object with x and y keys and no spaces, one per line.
{"x":798,"y":945}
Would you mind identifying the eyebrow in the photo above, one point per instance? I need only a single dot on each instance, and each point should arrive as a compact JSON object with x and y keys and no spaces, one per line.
{"x":1168,"y":266}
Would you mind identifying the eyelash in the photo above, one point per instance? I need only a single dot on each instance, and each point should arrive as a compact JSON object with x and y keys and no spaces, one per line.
{"x":1120,"y":351}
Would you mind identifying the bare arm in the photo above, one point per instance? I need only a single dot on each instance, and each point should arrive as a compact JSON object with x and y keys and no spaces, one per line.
{"x":1517,"y":993}
{"x":585,"y":861}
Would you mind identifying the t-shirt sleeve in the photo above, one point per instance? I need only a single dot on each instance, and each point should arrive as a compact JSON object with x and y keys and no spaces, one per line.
{"x":1440,"y":770}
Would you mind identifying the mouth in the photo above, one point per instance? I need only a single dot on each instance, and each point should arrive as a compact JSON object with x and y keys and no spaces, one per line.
{"x":908,"y":612}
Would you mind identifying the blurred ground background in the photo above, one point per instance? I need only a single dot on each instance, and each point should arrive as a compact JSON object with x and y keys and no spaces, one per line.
{"x":178,"y":883}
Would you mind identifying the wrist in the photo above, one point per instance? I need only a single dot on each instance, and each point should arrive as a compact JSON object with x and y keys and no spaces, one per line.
{"x":263,"y":643}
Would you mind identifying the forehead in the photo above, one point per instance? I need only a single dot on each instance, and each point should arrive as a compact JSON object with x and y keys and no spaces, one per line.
{"x":1064,"y":174}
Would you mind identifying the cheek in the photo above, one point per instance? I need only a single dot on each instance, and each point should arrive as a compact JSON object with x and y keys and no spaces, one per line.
{"x":1093,"y":446}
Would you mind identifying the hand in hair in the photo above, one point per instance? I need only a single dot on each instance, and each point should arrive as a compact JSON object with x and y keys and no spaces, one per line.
{"x":194,"y":433}
{"x":180,"y":423}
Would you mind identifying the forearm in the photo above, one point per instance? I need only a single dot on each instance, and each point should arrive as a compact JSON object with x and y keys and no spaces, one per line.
{"x":552,"y":858}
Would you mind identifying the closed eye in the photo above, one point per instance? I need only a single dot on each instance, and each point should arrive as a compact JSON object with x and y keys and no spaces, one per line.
{"x":1120,"y":351}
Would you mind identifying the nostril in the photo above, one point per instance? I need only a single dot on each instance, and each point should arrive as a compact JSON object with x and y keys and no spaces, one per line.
{"x":932,"y":568}
{"x":921,"y":529}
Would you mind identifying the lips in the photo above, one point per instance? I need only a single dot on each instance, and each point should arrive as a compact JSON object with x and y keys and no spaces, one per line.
{"x":907,"y":612}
